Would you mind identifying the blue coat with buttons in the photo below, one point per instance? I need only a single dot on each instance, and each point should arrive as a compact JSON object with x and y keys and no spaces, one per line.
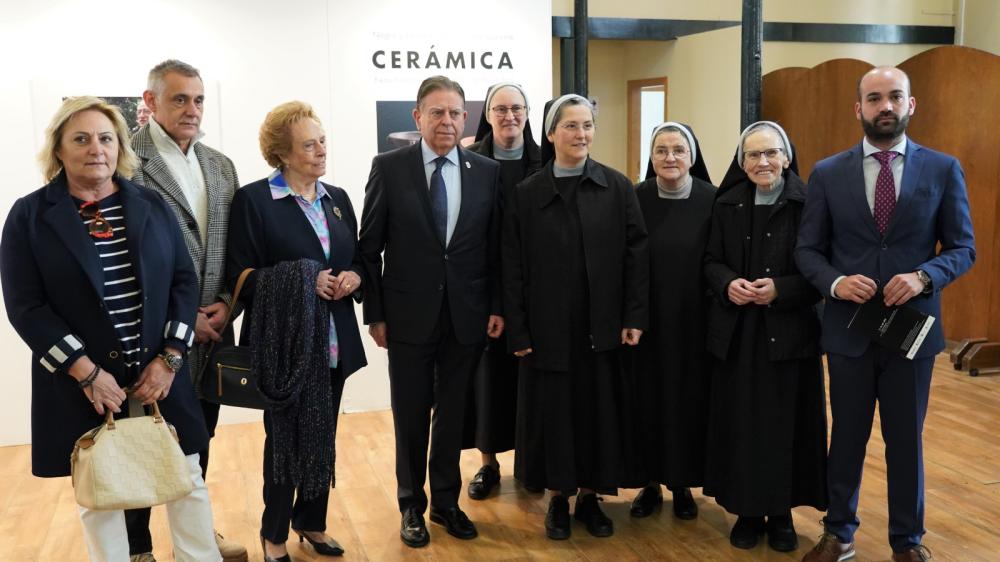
{"x":53,"y":291}
{"x":790,"y":320}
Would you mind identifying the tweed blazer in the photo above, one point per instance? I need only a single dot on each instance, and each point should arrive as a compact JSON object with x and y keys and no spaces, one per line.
{"x":209,"y":258}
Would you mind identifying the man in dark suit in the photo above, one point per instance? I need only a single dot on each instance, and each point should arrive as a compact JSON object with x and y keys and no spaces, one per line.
{"x":198,"y":183}
{"x":434,"y":209}
{"x":873,"y":218}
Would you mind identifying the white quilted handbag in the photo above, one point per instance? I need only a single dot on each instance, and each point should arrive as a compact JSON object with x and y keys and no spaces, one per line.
{"x":130,"y":463}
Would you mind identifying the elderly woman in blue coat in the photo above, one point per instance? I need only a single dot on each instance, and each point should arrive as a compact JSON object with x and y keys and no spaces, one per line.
{"x":98,"y":283}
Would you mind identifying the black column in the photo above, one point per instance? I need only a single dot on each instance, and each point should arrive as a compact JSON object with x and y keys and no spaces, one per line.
{"x":750,"y":67}
{"x":581,"y":36}
{"x":566,"y":81}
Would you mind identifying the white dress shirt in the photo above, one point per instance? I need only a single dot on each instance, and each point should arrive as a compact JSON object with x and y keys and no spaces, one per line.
{"x":186,"y":171}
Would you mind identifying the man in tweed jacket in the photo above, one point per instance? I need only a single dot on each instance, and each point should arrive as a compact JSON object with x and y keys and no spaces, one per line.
{"x":197,"y":183}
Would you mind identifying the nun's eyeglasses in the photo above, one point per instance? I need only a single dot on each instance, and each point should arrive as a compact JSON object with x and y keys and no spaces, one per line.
{"x":573,"y":126}
{"x":679,"y":153}
{"x":770,"y":154}
{"x":501,"y":110}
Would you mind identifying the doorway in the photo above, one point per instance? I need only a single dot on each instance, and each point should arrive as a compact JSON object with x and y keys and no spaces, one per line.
{"x":647,"y":108}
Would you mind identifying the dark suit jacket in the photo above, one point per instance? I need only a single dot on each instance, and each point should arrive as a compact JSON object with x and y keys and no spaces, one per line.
{"x":790,"y":320}
{"x":264,"y":231}
{"x":839,"y":237}
{"x":53,"y":286}
{"x":535,"y":259}
{"x":419,"y":270}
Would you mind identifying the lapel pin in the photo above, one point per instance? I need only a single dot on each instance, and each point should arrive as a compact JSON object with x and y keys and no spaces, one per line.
{"x":468,"y":166}
{"x":336,"y":211}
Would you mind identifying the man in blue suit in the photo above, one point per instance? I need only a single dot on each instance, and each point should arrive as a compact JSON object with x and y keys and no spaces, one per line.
{"x":873,"y":218}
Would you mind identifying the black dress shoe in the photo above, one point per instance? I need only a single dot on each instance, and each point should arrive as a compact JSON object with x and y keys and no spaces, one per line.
{"x":781,"y":533}
{"x":484,"y":481}
{"x":413,"y":530}
{"x":589,"y":512}
{"x":746,"y":532}
{"x":329,"y":547}
{"x":285,"y":558}
{"x":646,"y":502}
{"x":557,"y":525}
{"x":684,"y":506}
{"x":455,"y":521}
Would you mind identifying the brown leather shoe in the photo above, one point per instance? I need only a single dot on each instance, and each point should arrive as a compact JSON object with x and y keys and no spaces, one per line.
{"x":829,"y":549}
{"x":229,"y":550}
{"x":919,"y":553}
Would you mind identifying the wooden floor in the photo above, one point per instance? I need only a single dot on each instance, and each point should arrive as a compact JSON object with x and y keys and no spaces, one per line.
{"x":38,"y":517}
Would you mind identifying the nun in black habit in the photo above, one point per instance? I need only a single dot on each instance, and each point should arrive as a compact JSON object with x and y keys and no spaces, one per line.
{"x":671,"y":364}
{"x":575,"y":270}
{"x":767,"y":420}
{"x":504,"y":135}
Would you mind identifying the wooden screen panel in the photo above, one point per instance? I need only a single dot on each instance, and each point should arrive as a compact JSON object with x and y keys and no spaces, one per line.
{"x":960,"y":89}
{"x":815,"y":106}
{"x":957,"y":91}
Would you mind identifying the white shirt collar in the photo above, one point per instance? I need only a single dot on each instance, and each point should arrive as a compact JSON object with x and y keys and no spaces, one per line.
{"x":870,"y":149}
{"x":430,"y":155}
{"x":162,"y":140}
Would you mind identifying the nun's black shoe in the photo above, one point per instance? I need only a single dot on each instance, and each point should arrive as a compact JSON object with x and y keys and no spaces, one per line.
{"x":746,"y":532}
{"x":684,"y":506}
{"x":588,"y":511}
{"x":484,"y":481}
{"x":646,"y":501}
{"x":557,"y":525}
{"x":781,"y":533}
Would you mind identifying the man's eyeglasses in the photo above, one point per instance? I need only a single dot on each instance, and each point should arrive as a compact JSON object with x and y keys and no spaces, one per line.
{"x":770,"y":154}
{"x":501,"y":110}
{"x":97,"y":225}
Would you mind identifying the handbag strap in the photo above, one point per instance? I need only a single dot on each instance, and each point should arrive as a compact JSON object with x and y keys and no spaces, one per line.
{"x":109,"y":416}
{"x":229,"y":316}
{"x":236,"y":297}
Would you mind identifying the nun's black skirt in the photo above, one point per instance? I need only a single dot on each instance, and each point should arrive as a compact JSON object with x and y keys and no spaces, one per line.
{"x":572,"y":425}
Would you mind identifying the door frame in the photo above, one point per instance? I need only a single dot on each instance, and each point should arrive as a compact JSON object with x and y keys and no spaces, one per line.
{"x":635,"y":88}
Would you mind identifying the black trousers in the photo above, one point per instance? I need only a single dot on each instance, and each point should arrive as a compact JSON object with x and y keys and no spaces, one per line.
{"x":281,"y":502}
{"x":137,"y":520}
{"x":429,"y":386}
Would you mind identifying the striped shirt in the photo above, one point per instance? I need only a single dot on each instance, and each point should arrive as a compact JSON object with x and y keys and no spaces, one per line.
{"x":122,"y":296}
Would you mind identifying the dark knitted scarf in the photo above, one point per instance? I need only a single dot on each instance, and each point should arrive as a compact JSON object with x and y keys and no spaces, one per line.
{"x":290,"y":358}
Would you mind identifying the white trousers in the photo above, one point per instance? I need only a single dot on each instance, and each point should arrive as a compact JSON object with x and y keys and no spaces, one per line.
{"x":190,"y":520}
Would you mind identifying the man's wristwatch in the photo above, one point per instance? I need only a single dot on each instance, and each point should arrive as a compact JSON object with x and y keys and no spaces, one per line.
{"x":173,"y":362}
{"x":926,"y":280}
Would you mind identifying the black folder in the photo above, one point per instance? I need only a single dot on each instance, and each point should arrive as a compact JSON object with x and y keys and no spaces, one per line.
{"x":899,"y":328}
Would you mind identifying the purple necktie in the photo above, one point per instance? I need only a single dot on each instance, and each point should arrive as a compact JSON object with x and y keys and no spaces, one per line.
{"x":885,"y":190}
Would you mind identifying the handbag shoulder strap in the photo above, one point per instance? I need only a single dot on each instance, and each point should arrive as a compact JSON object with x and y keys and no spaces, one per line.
{"x":229,"y":316}
{"x":236,"y":296}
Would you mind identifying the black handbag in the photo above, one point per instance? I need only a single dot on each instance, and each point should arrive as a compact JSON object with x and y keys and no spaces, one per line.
{"x":226,"y":377}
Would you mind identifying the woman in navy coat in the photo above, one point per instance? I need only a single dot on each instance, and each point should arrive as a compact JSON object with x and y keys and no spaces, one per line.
{"x":98,"y":282}
{"x":286,"y":217}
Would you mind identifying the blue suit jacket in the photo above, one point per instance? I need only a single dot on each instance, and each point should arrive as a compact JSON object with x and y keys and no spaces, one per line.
{"x":838,"y":237}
